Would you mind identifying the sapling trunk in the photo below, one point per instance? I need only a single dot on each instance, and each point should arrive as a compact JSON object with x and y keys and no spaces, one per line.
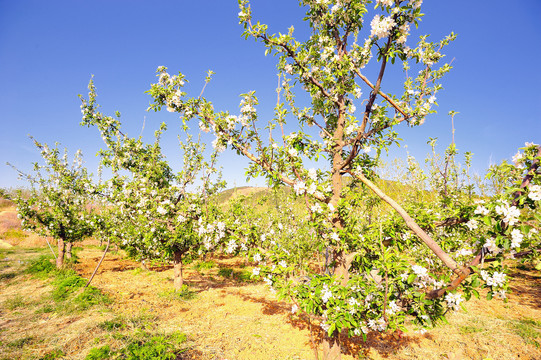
{"x":178,"y":280}
{"x":331,"y":348}
{"x":60,"y":257}
{"x":68,"y":250}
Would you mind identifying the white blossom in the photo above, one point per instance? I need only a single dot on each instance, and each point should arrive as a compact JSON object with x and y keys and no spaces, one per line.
{"x":381,"y":26}
{"x":534,"y":192}
{"x":516,"y":238}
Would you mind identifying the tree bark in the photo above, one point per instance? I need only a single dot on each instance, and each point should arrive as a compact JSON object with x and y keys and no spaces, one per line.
{"x":331,"y":348}
{"x":68,"y":250}
{"x":178,"y":280}
{"x":60,"y":257}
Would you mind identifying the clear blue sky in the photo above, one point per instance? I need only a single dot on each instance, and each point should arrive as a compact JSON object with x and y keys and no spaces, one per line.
{"x":50,"y":49}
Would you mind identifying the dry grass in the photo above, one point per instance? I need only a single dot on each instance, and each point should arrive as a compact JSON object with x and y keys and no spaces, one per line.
{"x":232,"y":319}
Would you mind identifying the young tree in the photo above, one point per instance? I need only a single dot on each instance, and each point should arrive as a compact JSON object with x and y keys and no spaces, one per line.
{"x":153,"y":212}
{"x":369,"y":284}
{"x":58,"y":204}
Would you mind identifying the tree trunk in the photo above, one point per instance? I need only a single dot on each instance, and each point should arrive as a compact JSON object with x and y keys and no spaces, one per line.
{"x":331,"y":349}
{"x":60,"y":258}
{"x":68,"y":250}
{"x":178,"y":280}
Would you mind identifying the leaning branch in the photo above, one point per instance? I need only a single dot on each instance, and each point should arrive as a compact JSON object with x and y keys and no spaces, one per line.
{"x":447,"y":260}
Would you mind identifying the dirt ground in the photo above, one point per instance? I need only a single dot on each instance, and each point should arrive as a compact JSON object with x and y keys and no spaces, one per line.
{"x":234,"y":320}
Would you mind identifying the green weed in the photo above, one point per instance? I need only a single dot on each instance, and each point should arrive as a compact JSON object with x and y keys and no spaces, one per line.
{"x":65,"y":284}
{"x":469,"y":329}
{"x":89,"y":297}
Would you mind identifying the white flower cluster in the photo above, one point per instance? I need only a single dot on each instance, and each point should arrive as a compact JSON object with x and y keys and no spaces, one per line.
{"x":381,"y":26}
{"x":491,"y":246}
{"x":534,"y":192}
{"x":481,"y":210}
{"x":496,"y":280}
{"x":385,"y":2}
{"x":326,"y":294}
{"x":415,"y":3}
{"x":393,"y":308}
{"x":453,"y":300}
{"x":516,"y":238}
{"x":472,"y":224}
{"x":510,"y":213}
{"x":377,"y":325}
{"x":299,"y":187}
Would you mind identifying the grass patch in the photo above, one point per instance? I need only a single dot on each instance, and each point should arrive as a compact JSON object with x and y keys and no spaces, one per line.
{"x":41,"y":267}
{"x":19,"y":343}
{"x":118,"y":323}
{"x":16,"y":234}
{"x":185,"y":293}
{"x":529,"y":330}
{"x":242,"y":275}
{"x":204,"y":265}
{"x":7,"y":276}
{"x":52,"y":355}
{"x":14,"y":302}
{"x":225,"y":272}
{"x":143,"y":346}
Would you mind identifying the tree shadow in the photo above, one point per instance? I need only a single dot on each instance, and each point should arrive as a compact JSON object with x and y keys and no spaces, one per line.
{"x":526,"y":287}
{"x":386,"y":344}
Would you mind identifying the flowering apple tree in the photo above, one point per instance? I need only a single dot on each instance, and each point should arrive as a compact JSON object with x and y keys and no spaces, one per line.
{"x":375,"y":274}
{"x":58,"y":203}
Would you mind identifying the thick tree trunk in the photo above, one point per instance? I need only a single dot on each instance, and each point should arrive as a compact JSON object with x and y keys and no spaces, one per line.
{"x":178,"y":280}
{"x":60,"y":257}
{"x":68,"y":250}
{"x":331,"y":349}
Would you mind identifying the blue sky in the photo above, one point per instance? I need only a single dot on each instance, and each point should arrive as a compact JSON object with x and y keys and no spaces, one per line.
{"x":49,"y":50}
